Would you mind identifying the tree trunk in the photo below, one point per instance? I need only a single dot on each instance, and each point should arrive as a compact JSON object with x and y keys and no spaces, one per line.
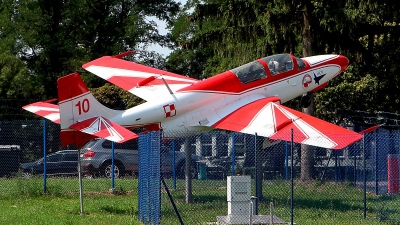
{"x":259,"y":169}
{"x":307,"y":153}
{"x":188,"y":175}
{"x":306,"y":34}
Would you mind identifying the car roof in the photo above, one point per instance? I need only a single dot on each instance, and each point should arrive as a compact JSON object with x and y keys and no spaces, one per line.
{"x":66,"y":151}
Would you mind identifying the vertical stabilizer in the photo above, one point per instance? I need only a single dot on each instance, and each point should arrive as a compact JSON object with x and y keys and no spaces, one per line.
{"x":82,"y":117}
{"x":77,"y":103}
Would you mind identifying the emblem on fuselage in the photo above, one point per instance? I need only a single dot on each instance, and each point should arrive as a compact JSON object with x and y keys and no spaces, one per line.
{"x":307,"y":80}
{"x":318,"y":76}
{"x":169,"y":110}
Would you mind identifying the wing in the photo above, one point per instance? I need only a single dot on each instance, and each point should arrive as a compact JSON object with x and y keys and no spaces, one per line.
{"x":46,"y":110}
{"x":145,"y":82}
{"x":104,"y":128}
{"x":266,"y":118}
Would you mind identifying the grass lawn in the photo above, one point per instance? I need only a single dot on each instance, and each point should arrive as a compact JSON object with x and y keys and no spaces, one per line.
{"x":22,"y":202}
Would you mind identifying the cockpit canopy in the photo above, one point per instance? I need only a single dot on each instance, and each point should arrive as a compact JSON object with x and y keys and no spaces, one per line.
{"x":276,"y":64}
{"x":250,"y":72}
{"x":279,"y":63}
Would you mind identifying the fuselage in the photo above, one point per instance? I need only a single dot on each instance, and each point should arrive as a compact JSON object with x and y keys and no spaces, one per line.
{"x":198,"y":106}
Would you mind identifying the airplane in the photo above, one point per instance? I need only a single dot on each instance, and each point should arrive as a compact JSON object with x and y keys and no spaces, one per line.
{"x":245,"y":99}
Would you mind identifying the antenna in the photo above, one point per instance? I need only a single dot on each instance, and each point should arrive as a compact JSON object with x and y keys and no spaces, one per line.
{"x":169,"y":89}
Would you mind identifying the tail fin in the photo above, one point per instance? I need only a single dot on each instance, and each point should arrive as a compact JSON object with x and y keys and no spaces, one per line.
{"x":81,"y":112}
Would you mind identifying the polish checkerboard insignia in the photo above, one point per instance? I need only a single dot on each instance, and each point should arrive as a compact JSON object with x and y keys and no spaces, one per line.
{"x":169,"y":110}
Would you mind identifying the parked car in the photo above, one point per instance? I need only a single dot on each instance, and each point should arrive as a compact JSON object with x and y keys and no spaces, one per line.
{"x":59,"y":163}
{"x":96,"y":159}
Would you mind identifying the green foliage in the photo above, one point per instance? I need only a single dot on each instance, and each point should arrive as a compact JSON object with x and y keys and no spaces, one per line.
{"x":237,"y":32}
{"x":230,"y":33}
{"x":189,"y":63}
{"x":359,"y":94}
{"x":32,"y":187}
{"x":44,"y":40}
{"x":115,"y":97}
{"x":15,"y":81}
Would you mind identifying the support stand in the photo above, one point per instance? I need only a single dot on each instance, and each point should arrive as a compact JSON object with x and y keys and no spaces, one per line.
{"x":172,"y":201}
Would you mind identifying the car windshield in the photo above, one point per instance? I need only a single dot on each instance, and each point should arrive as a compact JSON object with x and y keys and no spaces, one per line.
{"x":71,"y":157}
{"x":131,"y":144}
{"x":54,"y":158}
{"x":90,"y":143}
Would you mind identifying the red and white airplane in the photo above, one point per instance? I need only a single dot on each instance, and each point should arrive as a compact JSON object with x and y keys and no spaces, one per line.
{"x":245,"y":99}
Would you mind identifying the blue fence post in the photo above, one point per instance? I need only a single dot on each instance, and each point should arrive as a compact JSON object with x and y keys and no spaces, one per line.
{"x":376,"y":166}
{"x":173,"y":165}
{"x":112,"y":166}
{"x":291,"y":179}
{"x":355,"y":166}
{"x":255,"y":159}
{"x":233,"y":154}
{"x":286,"y":161}
{"x":44,"y":158}
{"x":364,"y":177}
{"x":337,"y":168}
{"x":257,"y":191}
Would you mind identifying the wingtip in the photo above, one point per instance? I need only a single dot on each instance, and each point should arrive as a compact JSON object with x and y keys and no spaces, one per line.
{"x":369,"y":130}
{"x":123,"y":54}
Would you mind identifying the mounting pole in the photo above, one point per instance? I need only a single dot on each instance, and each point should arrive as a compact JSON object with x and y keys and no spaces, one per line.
{"x":80,"y":181}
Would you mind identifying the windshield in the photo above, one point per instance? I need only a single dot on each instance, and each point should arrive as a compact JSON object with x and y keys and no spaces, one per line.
{"x":300,"y":63}
{"x":279,"y":63}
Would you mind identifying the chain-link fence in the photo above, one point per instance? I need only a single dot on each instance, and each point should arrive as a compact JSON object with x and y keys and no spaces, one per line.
{"x":339,"y":186}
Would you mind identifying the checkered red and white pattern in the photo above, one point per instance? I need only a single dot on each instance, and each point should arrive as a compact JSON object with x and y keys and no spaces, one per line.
{"x":169,"y":110}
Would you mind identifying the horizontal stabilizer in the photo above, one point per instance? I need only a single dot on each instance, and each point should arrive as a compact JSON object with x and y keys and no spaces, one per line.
{"x":104,"y":128}
{"x":46,"y":110}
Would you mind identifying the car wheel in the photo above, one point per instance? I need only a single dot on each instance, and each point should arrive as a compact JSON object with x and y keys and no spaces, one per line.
{"x":26,"y":175}
{"x":107,"y":171}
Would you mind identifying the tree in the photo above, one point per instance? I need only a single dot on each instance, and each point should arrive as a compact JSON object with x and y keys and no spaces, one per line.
{"x":307,"y":153}
{"x":115,"y":97}
{"x":54,"y":38}
{"x":234,"y":32}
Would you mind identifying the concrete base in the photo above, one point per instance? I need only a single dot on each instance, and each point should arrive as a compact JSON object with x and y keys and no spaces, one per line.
{"x":245,"y":219}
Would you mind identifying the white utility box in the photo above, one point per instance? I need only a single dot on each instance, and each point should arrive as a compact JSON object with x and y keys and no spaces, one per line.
{"x":238,"y":195}
{"x":241,"y":205}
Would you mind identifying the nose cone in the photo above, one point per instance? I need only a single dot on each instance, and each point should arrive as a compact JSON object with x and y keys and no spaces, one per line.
{"x":320,"y":60}
{"x":343,"y":62}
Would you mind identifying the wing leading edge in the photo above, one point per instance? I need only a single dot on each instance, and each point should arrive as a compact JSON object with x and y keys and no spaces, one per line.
{"x":266,"y":118}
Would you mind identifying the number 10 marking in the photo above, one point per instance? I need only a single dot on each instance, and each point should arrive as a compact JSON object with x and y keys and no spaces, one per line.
{"x":83,"y":106}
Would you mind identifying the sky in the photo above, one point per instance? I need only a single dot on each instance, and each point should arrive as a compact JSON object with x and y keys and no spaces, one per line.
{"x":157,"y":48}
{"x":162,"y":29}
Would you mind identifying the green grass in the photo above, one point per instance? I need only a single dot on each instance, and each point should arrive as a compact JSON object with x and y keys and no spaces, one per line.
{"x":22,"y":202}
